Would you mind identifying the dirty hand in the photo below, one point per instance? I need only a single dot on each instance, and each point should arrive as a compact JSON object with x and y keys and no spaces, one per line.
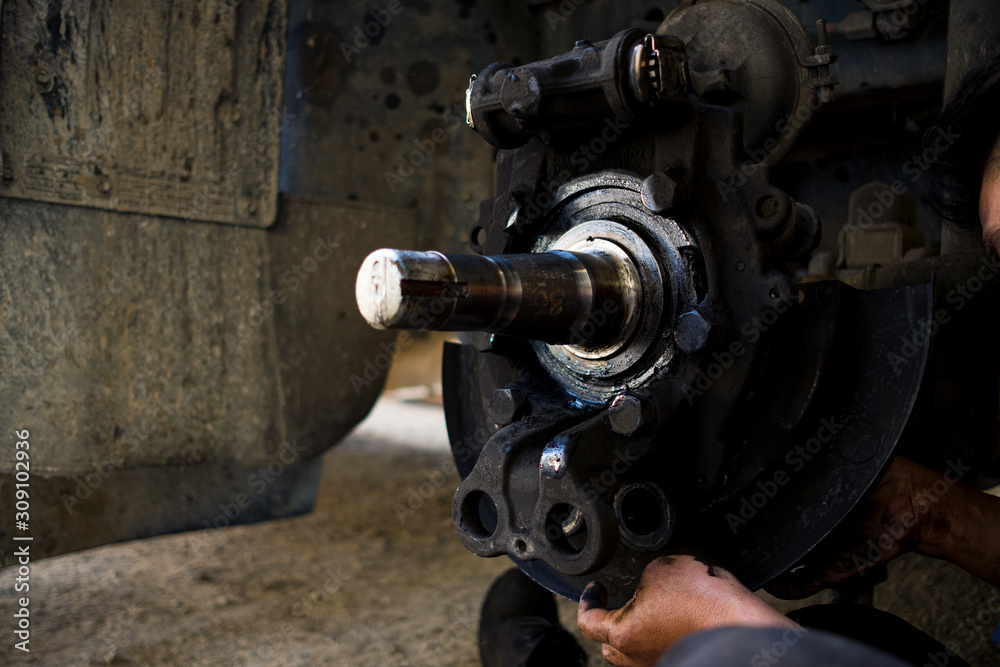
{"x":898,"y":517}
{"x":677,"y":595}
{"x":913,"y":508}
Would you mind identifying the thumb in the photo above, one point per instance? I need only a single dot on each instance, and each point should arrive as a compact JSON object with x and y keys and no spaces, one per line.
{"x":592,"y":616}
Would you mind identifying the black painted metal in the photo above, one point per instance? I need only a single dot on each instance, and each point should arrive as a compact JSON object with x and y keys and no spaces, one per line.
{"x":724,"y":418}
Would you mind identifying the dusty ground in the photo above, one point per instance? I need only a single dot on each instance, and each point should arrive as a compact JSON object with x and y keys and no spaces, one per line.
{"x":349,"y":584}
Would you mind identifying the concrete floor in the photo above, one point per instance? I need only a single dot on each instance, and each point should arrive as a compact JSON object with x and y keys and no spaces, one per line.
{"x":356,"y":582}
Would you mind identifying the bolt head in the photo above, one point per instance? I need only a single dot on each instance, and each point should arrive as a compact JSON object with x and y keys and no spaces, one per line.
{"x":627,"y":414}
{"x":482,"y":340}
{"x":660,"y":192}
{"x":505,"y":403}
{"x":43,"y":78}
{"x":692,"y":332}
{"x":103,"y":185}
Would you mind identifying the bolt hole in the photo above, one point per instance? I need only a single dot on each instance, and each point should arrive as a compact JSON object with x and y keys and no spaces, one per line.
{"x":767,"y":207}
{"x":644,"y":516}
{"x":479,"y":515}
{"x":640,"y":509}
{"x":478,"y":236}
{"x":559,"y":517}
{"x":520,"y":546}
{"x":775,"y":293}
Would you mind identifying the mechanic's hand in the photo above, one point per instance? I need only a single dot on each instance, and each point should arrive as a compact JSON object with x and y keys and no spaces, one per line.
{"x":677,"y":595}
{"x":905,"y":512}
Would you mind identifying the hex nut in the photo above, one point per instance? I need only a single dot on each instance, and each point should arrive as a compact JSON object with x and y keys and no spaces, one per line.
{"x":505,"y":404}
{"x":627,"y":414}
{"x":660,"y":192}
{"x":692,"y":332}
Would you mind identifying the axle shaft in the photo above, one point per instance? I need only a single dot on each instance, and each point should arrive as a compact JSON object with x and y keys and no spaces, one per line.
{"x":559,"y":297}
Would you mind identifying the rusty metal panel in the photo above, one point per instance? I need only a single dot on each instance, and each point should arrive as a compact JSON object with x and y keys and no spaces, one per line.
{"x":129,"y":341}
{"x":158,"y":108}
{"x":377,"y":110}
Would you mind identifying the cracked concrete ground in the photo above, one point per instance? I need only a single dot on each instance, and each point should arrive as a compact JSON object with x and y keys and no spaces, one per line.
{"x":356,"y":582}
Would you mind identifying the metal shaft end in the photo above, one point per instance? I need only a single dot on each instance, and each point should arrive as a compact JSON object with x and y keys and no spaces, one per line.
{"x":385,"y":280}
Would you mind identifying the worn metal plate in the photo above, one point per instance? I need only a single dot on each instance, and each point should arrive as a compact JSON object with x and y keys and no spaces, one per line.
{"x":200,"y":368}
{"x":128,"y":341}
{"x":159,"y":108}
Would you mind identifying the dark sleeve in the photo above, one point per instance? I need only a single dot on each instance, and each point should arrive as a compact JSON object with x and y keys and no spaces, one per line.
{"x":767,"y":647}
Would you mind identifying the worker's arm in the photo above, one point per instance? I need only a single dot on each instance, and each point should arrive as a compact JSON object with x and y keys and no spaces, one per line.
{"x":916,"y":509}
{"x":968,"y":533}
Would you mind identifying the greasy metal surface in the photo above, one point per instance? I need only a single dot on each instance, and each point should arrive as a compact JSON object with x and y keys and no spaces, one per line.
{"x":756,"y":56}
{"x":623,"y":77}
{"x":171,"y":109}
{"x":657,"y":246}
{"x":136,"y":341}
{"x":858,"y":409}
{"x":757,"y":369}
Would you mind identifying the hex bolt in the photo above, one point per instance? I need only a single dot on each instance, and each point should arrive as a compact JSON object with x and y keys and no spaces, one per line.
{"x":692,"y":332}
{"x":248,"y":206}
{"x":43,"y":78}
{"x":661,"y":192}
{"x":505,"y":403}
{"x":482,"y":340}
{"x":103,"y":185}
{"x":628,"y":414}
